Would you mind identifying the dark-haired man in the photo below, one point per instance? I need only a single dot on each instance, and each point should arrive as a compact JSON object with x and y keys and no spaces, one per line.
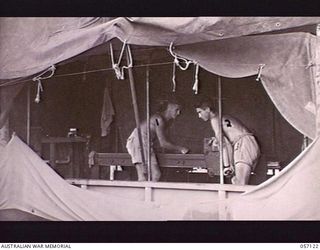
{"x":169,"y":110}
{"x":245,"y":150}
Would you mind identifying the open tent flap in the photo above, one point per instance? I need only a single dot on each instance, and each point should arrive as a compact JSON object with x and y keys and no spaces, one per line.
{"x":285,"y":63}
{"x":293,"y":194}
{"x":36,"y":189}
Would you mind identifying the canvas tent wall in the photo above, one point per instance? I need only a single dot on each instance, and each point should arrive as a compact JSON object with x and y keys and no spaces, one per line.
{"x":286,"y":63}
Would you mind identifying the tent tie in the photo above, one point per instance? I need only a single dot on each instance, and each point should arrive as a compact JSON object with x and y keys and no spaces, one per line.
{"x":176,"y":62}
{"x":261,"y":66}
{"x":174,"y":84}
{"x":119,"y":71}
{"x":195,"y":87}
{"x":39,"y":84}
{"x":177,"y":58}
{"x":39,"y":89}
{"x":310,"y":64}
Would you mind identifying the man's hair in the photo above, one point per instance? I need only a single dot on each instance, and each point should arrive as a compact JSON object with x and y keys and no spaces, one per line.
{"x":168,"y":99}
{"x":204,"y":102}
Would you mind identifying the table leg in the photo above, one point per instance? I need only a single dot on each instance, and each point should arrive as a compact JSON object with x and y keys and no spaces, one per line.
{"x":52,"y":155}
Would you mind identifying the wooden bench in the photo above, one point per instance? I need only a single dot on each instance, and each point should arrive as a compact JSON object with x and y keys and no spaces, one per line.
{"x":209,"y":161}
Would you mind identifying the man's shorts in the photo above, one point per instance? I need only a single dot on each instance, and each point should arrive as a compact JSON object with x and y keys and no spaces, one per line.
{"x":135,"y":150}
{"x":246,"y":150}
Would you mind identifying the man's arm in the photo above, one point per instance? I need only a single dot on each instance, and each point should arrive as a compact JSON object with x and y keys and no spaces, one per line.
{"x":163,"y":140}
{"x":216,"y":130}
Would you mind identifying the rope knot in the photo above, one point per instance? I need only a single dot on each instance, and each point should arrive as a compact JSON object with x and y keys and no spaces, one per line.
{"x":119,"y":71}
{"x":176,"y":62}
{"x":310,"y":64}
{"x":42,"y":77}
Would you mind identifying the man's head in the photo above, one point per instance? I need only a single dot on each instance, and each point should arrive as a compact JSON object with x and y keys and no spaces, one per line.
{"x":205,"y":108}
{"x":173,"y":110}
{"x":170,"y":108}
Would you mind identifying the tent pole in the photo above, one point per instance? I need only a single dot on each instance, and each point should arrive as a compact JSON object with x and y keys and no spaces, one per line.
{"x":220,"y":129}
{"x":317,"y":84}
{"x":222,"y":194}
{"x":5,"y":106}
{"x":135,"y":107}
{"x":28,"y":114}
{"x":6,"y":102}
{"x":148,"y":122}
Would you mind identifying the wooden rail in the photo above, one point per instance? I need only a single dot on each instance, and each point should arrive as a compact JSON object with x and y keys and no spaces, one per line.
{"x":207,"y":161}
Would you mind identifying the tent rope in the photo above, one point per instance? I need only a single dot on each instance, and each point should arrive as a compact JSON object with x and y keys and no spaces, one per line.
{"x":41,"y":77}
{"x":23,"y":79}
{"x":187,"y":62}
{"x":174,"y":84}
{"x":195,"y":87}
{"x":119,"y":71}
{"x":310,"y":64}
{"x":177,"y":58}
{"x":261,"y":66}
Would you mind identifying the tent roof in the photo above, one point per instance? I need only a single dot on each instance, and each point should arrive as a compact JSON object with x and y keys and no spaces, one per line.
{"x":221,"y":45}
{"x":30,"y":45}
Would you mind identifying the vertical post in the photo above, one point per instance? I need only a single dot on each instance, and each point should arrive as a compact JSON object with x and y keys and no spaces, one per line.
{"x":7,"y":95}
{"x":5,"y":103}
{"x":220,"y":128}
{"x":317,"y":82}
{"x":148,"y":194}
{"x":148,"y":123}
{"x":28,"y":114}
{"x":274,"y":136}
{"x":135,"y":106}
{"x":52,"y":155}
{"x":221,"y":193}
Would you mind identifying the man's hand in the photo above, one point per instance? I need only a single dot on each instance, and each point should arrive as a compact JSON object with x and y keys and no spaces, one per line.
{"x":213,"y":143}
{"x":184,"y":150}
{"x":228,"y":171}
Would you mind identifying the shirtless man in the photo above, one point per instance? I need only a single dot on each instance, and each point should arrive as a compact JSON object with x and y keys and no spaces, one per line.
{"x":244,"y":153}
{"x":169,"y":110}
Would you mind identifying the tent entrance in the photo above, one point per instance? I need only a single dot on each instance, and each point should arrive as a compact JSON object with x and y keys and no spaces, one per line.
{"x":72,"y":100}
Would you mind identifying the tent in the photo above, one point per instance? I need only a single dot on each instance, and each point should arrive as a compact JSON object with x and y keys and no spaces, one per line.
{"x":273,"y":48}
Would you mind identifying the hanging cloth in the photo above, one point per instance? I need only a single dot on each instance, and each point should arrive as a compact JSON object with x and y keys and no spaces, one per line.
{"x":107,"y":113}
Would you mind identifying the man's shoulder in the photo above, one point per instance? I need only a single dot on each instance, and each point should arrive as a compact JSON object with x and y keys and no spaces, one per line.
{"x":230,"y":118}
{"x":156,"y":119}
{"x":227,"y":120}
{"x":227,"y":116}
{"x":156,"y":116}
